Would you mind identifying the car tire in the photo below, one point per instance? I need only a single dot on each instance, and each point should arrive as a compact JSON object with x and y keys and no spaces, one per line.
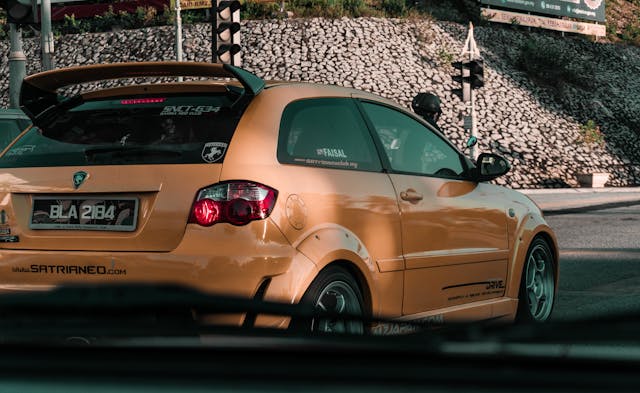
{"x":334,"y":290}
{"x":537,"y":293}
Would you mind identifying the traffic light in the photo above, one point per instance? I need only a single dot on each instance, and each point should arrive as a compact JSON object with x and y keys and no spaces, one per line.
{"x":471,"y":77}
{"x":464,"y":78}
{"x":476,"y":69}
{"x":226,"y":32}
{"x":19,"y":12}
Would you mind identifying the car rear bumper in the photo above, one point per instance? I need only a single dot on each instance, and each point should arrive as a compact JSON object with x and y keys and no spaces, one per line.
{"x":222,"y":259}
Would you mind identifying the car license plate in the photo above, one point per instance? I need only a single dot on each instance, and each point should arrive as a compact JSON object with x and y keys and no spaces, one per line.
{"x":84,"y":213}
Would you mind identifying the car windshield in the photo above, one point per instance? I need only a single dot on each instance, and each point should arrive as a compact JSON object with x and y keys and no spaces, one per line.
{"x":465,"y":174}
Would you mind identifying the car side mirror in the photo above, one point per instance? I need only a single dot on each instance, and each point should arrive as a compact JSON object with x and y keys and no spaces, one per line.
{"x":490,"y":166}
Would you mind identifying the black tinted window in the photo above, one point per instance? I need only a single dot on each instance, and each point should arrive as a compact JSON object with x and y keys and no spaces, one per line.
{"x":328,"y":132}
{"x":172,"y":130}
{"x":412,"y":147}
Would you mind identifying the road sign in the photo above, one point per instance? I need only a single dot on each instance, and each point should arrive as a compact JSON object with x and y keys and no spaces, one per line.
{"x":569,"y":26}
{"x":191,"y":4}
{"x":579,"y":9}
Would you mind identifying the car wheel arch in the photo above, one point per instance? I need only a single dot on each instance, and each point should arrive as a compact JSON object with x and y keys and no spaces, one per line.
{"x":334,"y":245}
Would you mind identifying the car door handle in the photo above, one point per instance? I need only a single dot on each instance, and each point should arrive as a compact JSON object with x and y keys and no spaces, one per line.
{"x":411,"y":195}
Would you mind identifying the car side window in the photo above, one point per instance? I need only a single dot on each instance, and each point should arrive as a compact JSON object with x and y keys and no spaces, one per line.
{"x":326,"y":132}
{"x":411,"y":146}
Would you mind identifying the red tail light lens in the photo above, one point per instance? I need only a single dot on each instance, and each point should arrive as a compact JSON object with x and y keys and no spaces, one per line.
{"x":206,"y":212}
{"x":236,"y":202}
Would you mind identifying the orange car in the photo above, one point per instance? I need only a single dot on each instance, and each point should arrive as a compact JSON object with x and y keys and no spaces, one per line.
{"x":290,"y":192}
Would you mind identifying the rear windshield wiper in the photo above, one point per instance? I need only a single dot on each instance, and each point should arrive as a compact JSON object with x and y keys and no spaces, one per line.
{"x":129,"y":151}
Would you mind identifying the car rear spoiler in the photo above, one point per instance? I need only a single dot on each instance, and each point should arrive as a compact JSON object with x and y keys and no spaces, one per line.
{"x":39,"y":98}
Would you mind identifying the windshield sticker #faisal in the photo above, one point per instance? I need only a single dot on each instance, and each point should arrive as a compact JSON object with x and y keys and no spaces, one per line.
{"x":213,"y":151}
{"x":188,"y":110}
{"x":331,"y":153}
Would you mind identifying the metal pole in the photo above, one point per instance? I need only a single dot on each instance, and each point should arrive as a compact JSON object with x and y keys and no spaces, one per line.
{"x":178,"y":31}
{"x":17,"y":65}
{"x":178,"y":35}
{"x":474,"y":128}
{"x":46,"y":36}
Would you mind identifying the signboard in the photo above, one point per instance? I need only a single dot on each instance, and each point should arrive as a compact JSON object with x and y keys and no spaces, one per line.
{"x":580,"y":9}
{"x":568,"y":26}
{"x":191,"y":4}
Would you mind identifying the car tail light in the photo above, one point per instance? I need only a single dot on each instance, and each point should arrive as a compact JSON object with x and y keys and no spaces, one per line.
{"x":235,"y":202}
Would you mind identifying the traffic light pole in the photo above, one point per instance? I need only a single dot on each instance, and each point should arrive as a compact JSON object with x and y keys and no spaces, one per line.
{"x":46,"y":36}
{"x":17,"y":65}
{"x":474,"y":127}
{"x":178,"y":10}
{"x":471,"y":50}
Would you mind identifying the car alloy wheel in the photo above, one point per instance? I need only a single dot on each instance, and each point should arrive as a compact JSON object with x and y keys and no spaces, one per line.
{"x":338,"y":297}
{"x":537,"y":288}
{"x":336,"y":292}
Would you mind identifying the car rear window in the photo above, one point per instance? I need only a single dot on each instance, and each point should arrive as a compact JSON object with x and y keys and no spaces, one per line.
{"x":326,"y":132}
{"x":150,"y":130}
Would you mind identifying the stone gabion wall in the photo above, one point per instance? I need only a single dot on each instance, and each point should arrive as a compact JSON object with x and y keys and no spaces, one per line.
{"x":538,"y":132}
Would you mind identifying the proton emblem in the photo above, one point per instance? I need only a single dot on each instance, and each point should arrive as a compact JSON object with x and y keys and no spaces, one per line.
{"x":79,"y":178}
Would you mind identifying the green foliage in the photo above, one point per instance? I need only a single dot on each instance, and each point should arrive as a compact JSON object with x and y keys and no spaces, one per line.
{"x":190,"y":17}
{"x":590,"y":133}
{"x":4,"y":26}
{"x":631,"y":33}
{"x":70,"y":25}
{"x":142,"y":17}
{"x":551,"y":66}
{"x":459,"y":11}
{"x":105,"y":21}
{"x":251,"y":9}
{"x":394,"y":8}
{"x":325,"y":8}
{"x":356,"y":8}
{"x":169,"y":15}
{"x":258,"y":10}
{"x":445,"y":56}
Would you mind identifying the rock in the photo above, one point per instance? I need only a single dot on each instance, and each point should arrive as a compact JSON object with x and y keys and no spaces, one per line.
{"x":397,"y":59}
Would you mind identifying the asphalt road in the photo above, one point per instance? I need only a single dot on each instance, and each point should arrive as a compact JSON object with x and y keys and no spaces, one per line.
{"x":599,"y":262}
